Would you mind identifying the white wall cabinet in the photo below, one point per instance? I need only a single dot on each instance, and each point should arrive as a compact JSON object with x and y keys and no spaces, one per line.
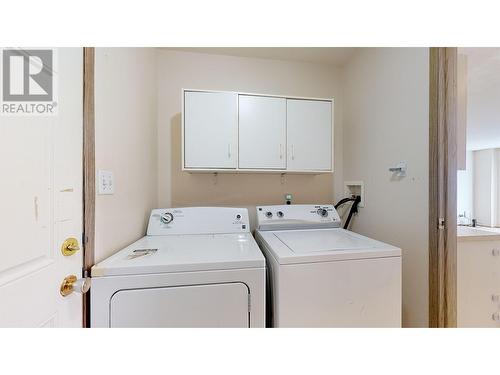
{"x":309,"y":134}
{"x":242,"y":132}
{"x":262,"y":132}
{"x":210,"y":130}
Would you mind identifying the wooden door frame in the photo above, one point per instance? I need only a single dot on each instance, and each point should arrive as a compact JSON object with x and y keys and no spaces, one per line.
{"x":443,"y":187}
{"x":88,"y":172}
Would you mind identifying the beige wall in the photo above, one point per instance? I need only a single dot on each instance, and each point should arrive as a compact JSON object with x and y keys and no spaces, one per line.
{"x":125,"y":97}
{"x":177,"y":70}
{"x":386,"y":120}
{"x":381,"y":117}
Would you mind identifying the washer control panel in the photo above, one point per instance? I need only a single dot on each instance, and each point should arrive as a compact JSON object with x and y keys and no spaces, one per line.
{"x":299,"y":216}
{"x":198,"y":220}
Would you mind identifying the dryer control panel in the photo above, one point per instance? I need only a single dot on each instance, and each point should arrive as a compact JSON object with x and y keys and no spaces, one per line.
{"x":198,"y":220}
{"x":298,"y":216}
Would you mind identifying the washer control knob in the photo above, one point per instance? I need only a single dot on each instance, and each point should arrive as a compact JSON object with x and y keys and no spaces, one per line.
{"x":322,"y":212}
{"x":269,"y":214}
{"x":279,"y":214}
{"x":167,"y":218}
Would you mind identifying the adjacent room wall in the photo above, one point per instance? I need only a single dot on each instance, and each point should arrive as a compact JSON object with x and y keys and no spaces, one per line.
{"x":386,"y":120}
{"x":465,"y":190}
{"x":486,"y":187}
{"x":126,"y":144}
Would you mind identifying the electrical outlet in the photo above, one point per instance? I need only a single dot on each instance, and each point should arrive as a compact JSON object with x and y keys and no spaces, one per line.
{"x":106,"y":183}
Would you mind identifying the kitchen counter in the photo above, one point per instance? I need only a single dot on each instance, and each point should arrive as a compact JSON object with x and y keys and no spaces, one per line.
{"x":476,"y":233}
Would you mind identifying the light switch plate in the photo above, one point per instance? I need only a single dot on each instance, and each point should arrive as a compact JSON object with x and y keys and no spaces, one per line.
{"x":106,"y":184}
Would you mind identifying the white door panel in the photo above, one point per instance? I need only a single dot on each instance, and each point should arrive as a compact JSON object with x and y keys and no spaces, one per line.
{"x":25,"y":166}
{"x":41,"y":194}
{"x":262,"y":132}
{"x":309,"y":134}
{"x":215,"y":305}
{"x":210,"y":129}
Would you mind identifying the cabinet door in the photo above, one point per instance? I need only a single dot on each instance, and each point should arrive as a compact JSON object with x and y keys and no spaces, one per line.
{"x":210,"y":130}
{"x":262,"y":129}
{"x":478,"y":283}
{"x":309,"y":134}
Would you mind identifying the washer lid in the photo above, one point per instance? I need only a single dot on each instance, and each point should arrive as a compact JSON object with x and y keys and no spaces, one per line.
{"x":316,"y":245}
{"x":303,"y":242}
{"x":176,"y":253}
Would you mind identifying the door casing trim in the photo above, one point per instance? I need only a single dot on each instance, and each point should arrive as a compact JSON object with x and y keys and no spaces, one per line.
{"x":88,"y":172}
{"x":443,"y":187}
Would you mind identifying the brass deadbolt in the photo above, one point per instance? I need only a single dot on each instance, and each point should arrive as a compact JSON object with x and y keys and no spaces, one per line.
{"x":70,"y":246}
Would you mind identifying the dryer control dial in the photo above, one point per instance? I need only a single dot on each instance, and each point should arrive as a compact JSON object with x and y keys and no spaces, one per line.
{"x":322,"y":212}
{"x":269,"y":214}
{"x":167,"y":218}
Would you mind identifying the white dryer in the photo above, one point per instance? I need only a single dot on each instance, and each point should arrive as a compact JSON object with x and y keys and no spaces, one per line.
{"x":196,"y":267}
{"x":323,"y":276}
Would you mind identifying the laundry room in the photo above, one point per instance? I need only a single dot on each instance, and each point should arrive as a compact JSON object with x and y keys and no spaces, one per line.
{"x":221,"y":187}
{"x":379,"y":143}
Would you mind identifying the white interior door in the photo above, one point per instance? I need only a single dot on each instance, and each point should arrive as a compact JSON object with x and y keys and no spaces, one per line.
{"x":262,"y":132}
{"x":210,"y":129}
{"x":41,"y":201}
{"x":309,"y":134}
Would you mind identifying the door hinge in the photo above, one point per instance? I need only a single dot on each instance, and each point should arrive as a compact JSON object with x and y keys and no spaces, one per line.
{"x":83,"y":239}
{"x":249,"y":303}
{"x":441,"y":223}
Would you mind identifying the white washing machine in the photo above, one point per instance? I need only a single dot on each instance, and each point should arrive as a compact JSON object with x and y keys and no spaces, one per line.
{"x":196,"y":267}
{"x":323,"y":276}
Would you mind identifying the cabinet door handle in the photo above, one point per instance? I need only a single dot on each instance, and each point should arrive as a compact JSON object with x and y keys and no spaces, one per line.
{"x":281,"y":151}
{"x":229,"y":150}
{"x":293,"y":153}
{"x":495,"y":252}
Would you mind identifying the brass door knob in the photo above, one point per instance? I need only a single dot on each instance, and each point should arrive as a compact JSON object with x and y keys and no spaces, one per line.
{"x":72,"y":284}
{"x":70,"y":246}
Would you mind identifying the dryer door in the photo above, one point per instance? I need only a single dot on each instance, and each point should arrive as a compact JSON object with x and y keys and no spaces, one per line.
{"x":212,"y":305}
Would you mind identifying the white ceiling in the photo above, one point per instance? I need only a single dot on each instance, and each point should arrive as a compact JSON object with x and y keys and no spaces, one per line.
{"x":337,"y":56}
{"x":483,"y":98}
